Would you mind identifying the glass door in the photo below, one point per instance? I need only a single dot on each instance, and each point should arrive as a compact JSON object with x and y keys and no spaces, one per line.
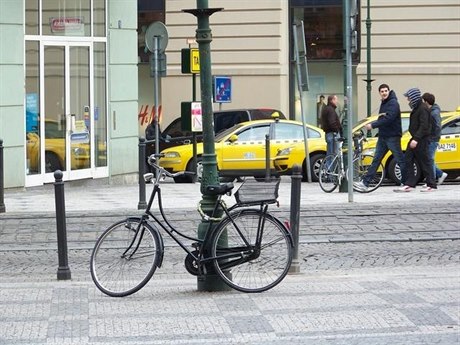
{"x":66,"y":105}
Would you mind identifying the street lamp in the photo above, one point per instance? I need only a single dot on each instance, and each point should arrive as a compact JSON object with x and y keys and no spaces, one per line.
{"x":210,"y":282}
{"x":368,"y":59}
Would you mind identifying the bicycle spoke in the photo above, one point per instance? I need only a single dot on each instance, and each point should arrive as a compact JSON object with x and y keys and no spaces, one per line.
{"x":259,"y":267}
{"x":124,"y":259}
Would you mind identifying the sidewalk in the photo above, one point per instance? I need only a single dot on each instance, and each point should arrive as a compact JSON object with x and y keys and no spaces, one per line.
{"x":99,"y":198}
{"x":359,"y":293}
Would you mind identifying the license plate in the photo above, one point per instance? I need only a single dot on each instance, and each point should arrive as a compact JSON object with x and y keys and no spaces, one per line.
{"x":447,"y":147}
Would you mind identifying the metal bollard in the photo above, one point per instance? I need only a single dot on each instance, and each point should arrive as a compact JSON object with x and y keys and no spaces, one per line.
{"x":142,"y":203}
{"x":267,"y":157}
{"x":296,"y":181}
{"x":2,"y":187}
{"x":63,"y":272}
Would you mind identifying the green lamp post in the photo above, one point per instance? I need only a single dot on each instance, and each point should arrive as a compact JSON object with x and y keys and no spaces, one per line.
{"x":209,"y":282}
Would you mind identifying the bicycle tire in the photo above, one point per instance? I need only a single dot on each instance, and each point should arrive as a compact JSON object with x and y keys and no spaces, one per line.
{"x":113,"y":272}
{"x":245,"y":268}
{"x":360,"y":166}
{"x":329,"y":177}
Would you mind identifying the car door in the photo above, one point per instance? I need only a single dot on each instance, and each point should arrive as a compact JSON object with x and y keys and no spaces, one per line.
{"x":245,"y":151}
{"x":448,"y":153}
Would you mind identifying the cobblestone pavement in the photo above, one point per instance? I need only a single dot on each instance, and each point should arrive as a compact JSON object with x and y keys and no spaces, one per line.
{"x":381,"y":271}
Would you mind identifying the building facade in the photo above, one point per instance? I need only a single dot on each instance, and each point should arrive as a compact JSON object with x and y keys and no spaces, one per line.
{"x":76,"y":91}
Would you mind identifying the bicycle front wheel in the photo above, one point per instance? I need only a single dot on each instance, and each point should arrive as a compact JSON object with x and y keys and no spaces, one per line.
{"x":329,"y":173}
{"x":361,"y":165}
{"x":125,"y":257}
{"x":253,"y":250}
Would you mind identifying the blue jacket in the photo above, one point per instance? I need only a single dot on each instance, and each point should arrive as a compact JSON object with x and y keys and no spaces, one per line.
{"x":389,"y":124}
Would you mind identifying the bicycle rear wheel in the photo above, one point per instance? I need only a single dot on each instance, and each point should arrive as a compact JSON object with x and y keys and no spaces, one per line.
{"x":125,"y":257}
{"x":329,"y":173}
{"x":244,"y":265}
{"x":361,"y":164}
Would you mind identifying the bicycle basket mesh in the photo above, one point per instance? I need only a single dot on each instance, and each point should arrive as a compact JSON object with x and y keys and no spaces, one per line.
{"x":255,"y":191}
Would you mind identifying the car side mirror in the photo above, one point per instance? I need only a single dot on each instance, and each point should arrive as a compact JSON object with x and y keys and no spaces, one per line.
{"x":233,"y":138}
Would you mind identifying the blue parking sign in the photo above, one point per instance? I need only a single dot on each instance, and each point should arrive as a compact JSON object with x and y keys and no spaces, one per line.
{"x":222,"y":89}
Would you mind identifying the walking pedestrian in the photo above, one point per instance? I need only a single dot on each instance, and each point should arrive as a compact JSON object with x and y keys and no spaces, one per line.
{"x":330,"y":123}
{"x":389,"y":138}
{"x":417,"y":148}
{"x":435,"y":112}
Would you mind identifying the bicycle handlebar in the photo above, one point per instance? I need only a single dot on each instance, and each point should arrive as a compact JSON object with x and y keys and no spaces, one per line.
{"x":152,"y":160}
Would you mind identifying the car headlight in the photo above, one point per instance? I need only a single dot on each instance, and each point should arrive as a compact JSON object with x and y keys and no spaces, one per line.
{"x":79,"y":151}
{"x":171,"y":154}
{"x":284,"y":152}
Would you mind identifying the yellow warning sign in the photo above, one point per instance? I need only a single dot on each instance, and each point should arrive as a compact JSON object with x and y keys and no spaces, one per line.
{"x":194,"y":60}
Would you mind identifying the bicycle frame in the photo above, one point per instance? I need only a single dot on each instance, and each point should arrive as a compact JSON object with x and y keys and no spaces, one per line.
{"x":166,"y":225}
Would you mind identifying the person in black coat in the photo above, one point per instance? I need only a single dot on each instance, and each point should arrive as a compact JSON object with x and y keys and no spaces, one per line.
{"x":417,"y":148}
{"x":390,"y":131}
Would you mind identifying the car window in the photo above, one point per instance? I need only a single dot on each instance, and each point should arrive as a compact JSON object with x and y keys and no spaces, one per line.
{"x":405,"y":124}
{"x":225,"y":120}
{"x":174,"y":130}
{"x":287,"y":131}
{"x":254,"y":133}
{"x":261,"y":114}
{"x":452,"y":127}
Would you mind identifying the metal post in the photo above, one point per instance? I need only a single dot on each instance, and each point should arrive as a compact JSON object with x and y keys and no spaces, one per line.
{"x":2,"y":186}
{"x":156,"y":97}
{"x":368,"y":59}
{"x":267,"y":157}
{"x":142,"y":203}
{"x":210,"y":282}
{"x":63,"y":272}
{"x":296,"y":181}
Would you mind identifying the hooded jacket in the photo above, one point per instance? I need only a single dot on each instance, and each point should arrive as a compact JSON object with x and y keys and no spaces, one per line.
{"x":389,"y":124}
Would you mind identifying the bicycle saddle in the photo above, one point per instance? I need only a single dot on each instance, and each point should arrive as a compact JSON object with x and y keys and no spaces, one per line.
{"x":219,"y":189}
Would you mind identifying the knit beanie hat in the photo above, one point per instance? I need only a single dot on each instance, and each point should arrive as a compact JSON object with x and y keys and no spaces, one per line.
{"x":415,"y":97}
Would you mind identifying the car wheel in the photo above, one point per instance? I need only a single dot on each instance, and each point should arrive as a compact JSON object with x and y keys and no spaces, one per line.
{"x":52,"y":162}
{"x":315,"y":163}
{"x":190,"y":178}
{"x":394,"y":172}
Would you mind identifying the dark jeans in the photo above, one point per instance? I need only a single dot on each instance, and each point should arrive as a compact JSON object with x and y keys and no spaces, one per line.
{"x":383,"y":145}
{"x":421,"y":154}
{"x":331,"y":145}
{"x":432,"y":147}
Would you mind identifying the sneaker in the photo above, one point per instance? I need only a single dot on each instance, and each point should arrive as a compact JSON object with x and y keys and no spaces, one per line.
{"x":442,"y":178}
{"x":360,"y":186}
{"x":427,"y":189}
{"x":403,"y":189}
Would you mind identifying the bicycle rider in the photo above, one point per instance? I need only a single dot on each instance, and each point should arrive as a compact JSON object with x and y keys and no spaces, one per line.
{"x":330,"y":123}
{"x":390,"y":132}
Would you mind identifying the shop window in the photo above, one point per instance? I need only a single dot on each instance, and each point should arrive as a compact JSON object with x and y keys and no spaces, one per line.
{"x":32,"y":17}
{"x":323,"y":22}
{"x":149,"y":11}
{"x":66,"y":18}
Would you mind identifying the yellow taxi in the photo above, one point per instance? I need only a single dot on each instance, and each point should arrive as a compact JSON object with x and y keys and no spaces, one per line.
{"x":55,"y":151}
{"x":447,"y":156}
{"x":241,"y":149}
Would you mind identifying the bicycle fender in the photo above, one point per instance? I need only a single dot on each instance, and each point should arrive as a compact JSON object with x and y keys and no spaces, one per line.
{"x":161,"y":247}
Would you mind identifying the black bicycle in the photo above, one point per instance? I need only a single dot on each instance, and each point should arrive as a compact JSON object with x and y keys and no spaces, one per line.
{"x":246,"y":246}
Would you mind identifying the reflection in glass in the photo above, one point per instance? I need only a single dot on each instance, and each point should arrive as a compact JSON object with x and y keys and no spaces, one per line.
{"x":80,"y":150}
{"x":100,"y":111}
{"x":99,"y":18}
{"x":55,"y":122}
{"x":66,"y":17}
{"x":32,"y":16}
{"x":32,"y":108}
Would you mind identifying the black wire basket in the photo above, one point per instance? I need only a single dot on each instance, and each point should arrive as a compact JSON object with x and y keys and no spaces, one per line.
{"x":257,"y":191}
